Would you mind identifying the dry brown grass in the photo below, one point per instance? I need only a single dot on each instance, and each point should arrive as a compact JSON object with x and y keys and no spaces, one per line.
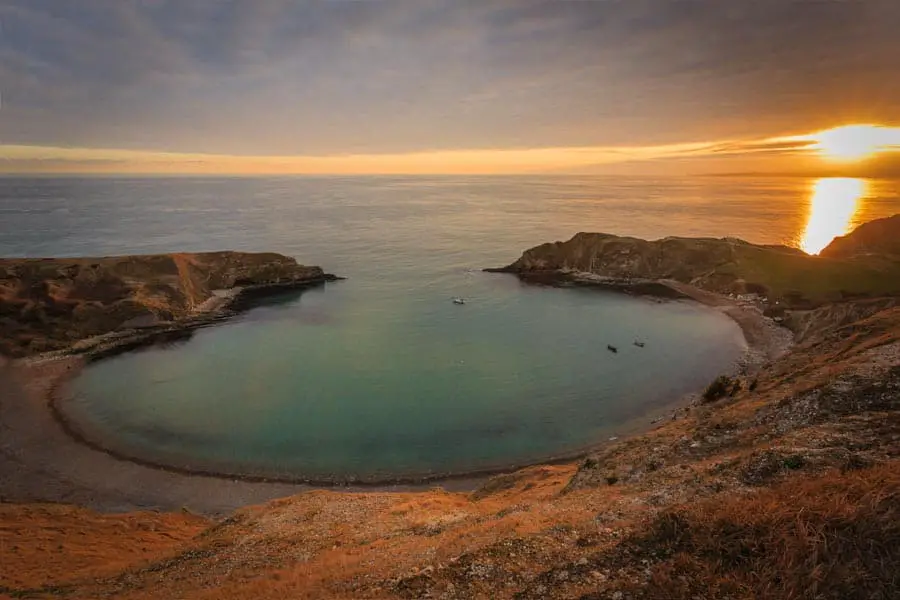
{"x":55,"y":545}
{"x":835,"y":536}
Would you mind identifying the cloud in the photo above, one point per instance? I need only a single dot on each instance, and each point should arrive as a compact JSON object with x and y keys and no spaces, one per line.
{"x":700,"y":155}
{"x":790,"y":145}
{"x":39,"y":158}
{"x":276,"y":77}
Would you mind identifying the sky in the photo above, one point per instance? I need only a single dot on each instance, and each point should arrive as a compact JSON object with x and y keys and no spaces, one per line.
{"x":420,"y":86}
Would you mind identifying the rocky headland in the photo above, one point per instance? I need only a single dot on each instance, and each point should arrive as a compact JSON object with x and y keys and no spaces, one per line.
{"x":81,"y":305}
{"x":862,"y":265}
{"x":781,"y":483}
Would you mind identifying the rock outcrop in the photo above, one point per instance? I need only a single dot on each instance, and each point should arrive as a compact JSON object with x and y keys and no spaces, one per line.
{"x":879,"y":238}
{"x":812,"y":326}
{"x":50,"y":304}
{"x":785,"y":275}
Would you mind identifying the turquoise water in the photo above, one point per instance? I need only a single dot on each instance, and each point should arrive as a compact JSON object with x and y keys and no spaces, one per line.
{"x":334,"y":383}
{"x":381,"y":374}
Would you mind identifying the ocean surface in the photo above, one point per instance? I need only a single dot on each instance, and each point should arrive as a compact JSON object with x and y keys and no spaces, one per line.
{"x":381,"y":374}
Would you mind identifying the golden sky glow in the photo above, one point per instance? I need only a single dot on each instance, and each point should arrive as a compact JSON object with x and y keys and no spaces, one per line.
{"x":448,"y":161}
{"x":856,"y":142}
{"x":843,"y":144}
{"x":833,"y":203}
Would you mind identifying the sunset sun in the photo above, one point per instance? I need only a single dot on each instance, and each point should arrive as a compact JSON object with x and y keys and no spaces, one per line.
{"x":855,"y":142}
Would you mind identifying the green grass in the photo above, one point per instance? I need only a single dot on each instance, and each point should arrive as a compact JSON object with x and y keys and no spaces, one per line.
{"x":817,"y":279}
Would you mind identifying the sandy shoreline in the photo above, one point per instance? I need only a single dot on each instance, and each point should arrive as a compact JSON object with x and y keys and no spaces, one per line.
{"x":40,"y":460}
{"x":766,"y":340}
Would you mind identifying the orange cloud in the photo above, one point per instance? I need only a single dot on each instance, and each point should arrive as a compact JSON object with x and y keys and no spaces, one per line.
{"x":19,"y":159}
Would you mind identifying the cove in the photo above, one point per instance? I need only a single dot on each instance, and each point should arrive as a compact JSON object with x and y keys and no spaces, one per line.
{"x":366,"y":383}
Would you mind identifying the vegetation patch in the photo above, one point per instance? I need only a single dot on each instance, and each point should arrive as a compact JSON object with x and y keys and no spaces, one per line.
{"x":722,"y":386}
{"x":832,"y":537}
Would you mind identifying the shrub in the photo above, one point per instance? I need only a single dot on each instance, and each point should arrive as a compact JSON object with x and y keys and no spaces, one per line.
{"x":722,"y":386}
{"x":794,"y":462}
{"x":756,"y":288}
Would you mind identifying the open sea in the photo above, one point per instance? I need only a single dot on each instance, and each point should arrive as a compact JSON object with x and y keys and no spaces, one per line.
{"x":381,"y":375}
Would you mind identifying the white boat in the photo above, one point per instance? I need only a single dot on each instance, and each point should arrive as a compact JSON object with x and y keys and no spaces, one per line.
{"x":459,"y":301}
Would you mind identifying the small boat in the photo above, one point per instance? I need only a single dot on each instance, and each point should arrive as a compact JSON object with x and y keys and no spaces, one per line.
{"x":639,"y":344}
{"x":459,"y":301}
{"x":611,"y":348}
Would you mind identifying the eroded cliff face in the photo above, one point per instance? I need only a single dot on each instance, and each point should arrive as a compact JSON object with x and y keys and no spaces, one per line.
{"x":48,"y":304}
{"x":682,"y":259}
{"x":730,"y":265}
{"x":880,"y":237}
{"x":813,"y":326}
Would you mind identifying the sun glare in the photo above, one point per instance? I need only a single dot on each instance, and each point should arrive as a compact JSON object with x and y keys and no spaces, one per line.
{"x":855,"y":142}
{"x":833,"y":205}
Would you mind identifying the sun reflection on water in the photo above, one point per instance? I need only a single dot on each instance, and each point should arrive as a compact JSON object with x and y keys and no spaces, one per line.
{"x":834,"y":203}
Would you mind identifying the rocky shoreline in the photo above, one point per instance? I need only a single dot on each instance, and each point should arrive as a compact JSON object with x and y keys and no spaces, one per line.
{"x":228,"y":306}
{"x":572,"y":278}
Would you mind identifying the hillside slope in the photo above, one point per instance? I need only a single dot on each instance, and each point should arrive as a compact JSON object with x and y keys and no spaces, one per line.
{"x":880,"y":238}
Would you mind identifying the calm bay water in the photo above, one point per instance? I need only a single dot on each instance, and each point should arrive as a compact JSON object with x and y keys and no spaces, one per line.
{"x":381,"y":373}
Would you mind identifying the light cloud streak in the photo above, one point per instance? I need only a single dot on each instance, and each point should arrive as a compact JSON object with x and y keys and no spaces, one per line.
{"x":532,"y":160}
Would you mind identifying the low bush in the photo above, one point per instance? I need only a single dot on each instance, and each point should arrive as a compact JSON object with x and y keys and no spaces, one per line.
{"x":722,"y":386}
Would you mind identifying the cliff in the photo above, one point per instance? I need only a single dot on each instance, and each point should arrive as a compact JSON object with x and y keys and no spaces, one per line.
{"x":832,"y":319}
{"x":879,"y":239}
{"x":52,"y":303}
{"x":847,"y":269}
